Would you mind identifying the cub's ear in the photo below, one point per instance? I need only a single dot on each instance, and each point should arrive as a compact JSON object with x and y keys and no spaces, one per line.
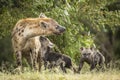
{"x":44,"y":24}
{"x":42,"y":38}
{"x":82,"y":48}
{"x":42,"y":15}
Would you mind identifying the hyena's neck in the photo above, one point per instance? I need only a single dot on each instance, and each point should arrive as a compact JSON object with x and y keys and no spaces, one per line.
{"x":28,"y":28}
{"x":33,"y":31}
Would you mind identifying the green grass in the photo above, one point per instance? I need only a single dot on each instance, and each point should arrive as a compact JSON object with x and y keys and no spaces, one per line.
{"x":46,"y":75}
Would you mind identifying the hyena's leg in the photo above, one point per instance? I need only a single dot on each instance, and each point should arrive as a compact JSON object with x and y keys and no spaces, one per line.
{"x":18,"y":56}
{"x":80,"y":66}
{"x":96,"y":65}
{"x":102,"y":66}
{"x":92,"y":66}
{"x":29,"y":59}
{"x":33,"y":59}
{"x":63,"y":67}
{"x":39,"y":60}
{"x":45,"y":64}
{"x":73,"y":69}
{"x":49,"y":65}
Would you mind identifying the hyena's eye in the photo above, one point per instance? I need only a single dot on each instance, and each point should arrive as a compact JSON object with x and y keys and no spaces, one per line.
{"x":57,"y":27}
{"x":84,"y":54}
{"x":89,"y":53}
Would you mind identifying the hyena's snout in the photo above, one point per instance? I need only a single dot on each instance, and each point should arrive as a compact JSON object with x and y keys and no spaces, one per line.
{"x":60,"y":29}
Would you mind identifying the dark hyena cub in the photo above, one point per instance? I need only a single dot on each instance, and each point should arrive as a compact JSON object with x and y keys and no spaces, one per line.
{"x":52,"y":59}
{"x":58,"y":59}
{"x":91,"y":56}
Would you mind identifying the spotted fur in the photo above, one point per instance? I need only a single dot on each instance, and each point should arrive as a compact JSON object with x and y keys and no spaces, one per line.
{"x":26,"y":31}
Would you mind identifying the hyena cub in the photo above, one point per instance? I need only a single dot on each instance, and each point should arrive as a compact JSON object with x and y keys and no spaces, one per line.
{"x":91,"y":56}
{"x":52,"y":59}
{"x":28,"y":28}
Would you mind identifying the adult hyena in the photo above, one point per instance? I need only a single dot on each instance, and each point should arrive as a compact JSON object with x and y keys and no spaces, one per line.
{"x":91,"y":56}
{"x":28,"y":28}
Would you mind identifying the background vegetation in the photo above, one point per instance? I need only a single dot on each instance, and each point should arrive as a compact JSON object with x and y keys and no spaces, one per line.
{"x":88,"y":23}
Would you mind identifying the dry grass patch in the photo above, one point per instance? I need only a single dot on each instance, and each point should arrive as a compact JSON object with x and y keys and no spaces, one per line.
{"x":108,"y":75}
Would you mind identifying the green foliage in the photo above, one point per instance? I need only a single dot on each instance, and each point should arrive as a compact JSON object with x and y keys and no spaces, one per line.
{"x":82,"y":19}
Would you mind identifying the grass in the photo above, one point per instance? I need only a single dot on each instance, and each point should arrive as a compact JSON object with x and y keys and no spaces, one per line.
{"x":46,"y":75}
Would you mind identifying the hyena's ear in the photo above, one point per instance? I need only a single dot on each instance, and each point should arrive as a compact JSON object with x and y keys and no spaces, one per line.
{"x":42,"y":15}
{"x":51,"y":45}
{"x":44,"y":24}
{"x":42,"y":38}
{"x":82,"y":48}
